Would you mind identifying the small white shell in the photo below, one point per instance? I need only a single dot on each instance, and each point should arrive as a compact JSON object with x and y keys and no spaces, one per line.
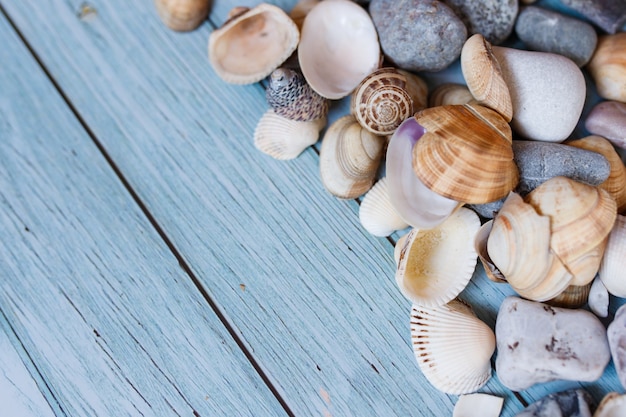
{"x":452,"y":347}
{"x":612,"y":405}
{"x":478,"y":405}
{"x":338,"y":47}
{"x":598,"y":299}
{"x":436,"y":264}
{"x":612,"y":271}
{"x":376,"y":212}
{"x":284,"y":139}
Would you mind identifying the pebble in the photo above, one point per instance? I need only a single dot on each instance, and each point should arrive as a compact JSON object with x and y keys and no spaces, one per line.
{"x":548,"y":31}
{"x":608,"y":119}
{"x":418,"y":35}
{"x":539,"y":343}
{"x":570,"y":403}
{"x":609,"y":15}
{"x":537,"y":162}
{"x":547,"y":91}
{"x":616,"y":333}
{"x":494,"y":19}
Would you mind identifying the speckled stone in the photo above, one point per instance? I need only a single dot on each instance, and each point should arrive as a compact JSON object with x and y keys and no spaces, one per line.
{"x":616,"y":333}
{"x":570,"y":403}
{"x":548,"y":31}
{"x":609,"y":15}
{"x":539,"y":343}
{"x":547,"y":92}
{"x":608,"y":119}
{"x":418,"y":35}
{"x":494,"y":19}
{"x":537,"y":162}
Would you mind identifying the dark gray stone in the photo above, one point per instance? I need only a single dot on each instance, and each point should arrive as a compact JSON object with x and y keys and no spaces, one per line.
{"x":609,"y":15}
{"x":418,"y":35}
{"x":570,"y":403}
{"x":616,"y":333}
{"x":494,"y":19}
{"x":548,"y":31}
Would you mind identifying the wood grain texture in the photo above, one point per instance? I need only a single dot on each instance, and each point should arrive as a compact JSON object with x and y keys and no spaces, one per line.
{"x":111,"y":322}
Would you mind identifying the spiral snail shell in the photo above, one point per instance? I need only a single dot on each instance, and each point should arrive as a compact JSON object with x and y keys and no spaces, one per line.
{"x":387,"y":97}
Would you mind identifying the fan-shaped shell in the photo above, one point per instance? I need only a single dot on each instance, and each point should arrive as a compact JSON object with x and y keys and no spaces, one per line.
{"x":349,"y":158}
{"x":252,"y":43}
{"x":612,"y":271}
{"x":608,"y":66}
{"x":616,"y":183}
{"x":466,"y":153}
{"x":289,"y":95}
{"x":483,"y":76}
{"x":282,"y":138}
{"x":376,"y":212}
{"x":452,"y":347}
{"x":182,"y":15}
{"x":574,"y":296}
{"x":450,"y":93}
{"x":380,"y":102}
{"x":612,"y":405}
{"x":338,"y":47}
{"x":435,"y":265}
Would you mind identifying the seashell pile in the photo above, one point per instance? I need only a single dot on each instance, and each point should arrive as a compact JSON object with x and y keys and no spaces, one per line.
{"x":522,"y":140}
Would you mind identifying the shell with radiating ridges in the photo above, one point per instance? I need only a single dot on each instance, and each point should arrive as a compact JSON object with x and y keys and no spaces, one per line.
{"x":338,"y":47}
{"x":182,"y":15}
{"x":284,"y":139}
{"x":450,"y":93}
{"x":466,"y":153}
{"x":376,"y":213}
{"x":435,"y":265}
{"x":608,"y":66}
{"x":483,"y":76}
{"x":574,"y":296}
{"x":289,"y":95}
{"x":349,"y":158}
{"x":252,"y":43}
{"x":612,"y":271}
{"x":452,"y":347}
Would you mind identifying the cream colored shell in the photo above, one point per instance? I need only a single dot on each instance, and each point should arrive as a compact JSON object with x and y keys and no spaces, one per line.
{"x":612,"y":405}
{"x":182,"y":15}
{"x":283,"y":138}
{"x":252,"y":43}
{"x":613,"y":267}
{"x":608,"y":66}
{"x":450,"y":93}
{"x":376,"y":213}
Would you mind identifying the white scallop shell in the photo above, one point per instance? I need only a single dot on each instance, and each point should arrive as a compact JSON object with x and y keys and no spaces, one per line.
{"x":284,"y":139}
{"x":452,"y":347}
{"x":612,"y":271}
{"x":478,"y":405}
{"x":612,"y":405}
{"x":338,"y":47}
{"x":376,"y":212}
{"x":436,"y":264}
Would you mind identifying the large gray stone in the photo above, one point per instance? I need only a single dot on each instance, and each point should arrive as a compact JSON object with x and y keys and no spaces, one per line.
{"x":539,"y":343}
{"x":494,"y":19}
{"x":418,"y":35}
{"x":609,"y":15}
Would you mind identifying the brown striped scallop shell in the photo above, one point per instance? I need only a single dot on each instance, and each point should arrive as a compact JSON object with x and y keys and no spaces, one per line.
{"x":382,"y":100}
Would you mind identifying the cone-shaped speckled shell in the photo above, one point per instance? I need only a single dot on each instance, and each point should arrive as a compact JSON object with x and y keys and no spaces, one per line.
{"x":436,"y":264}
{"x":376,"y":212}
{"x":282,"y":138}
{"x":252,"y":43}
{"x":182,"y":15}
{"x":452,"y":347}
{"x":290,"y":96}
{"x":349,"y":158}
{"x":466,"y":153}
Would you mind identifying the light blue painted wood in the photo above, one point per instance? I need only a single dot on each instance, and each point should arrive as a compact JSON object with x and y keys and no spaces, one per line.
{"x":100,"y":305}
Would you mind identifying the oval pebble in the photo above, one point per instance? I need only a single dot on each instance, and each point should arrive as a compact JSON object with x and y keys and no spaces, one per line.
{"x":616,"y":334}
{"x":548,"y":31}
{"x":494,"y":19}
{"x":609,"y":15}
{"x":608,"y":119}
{"x":418,"y":35}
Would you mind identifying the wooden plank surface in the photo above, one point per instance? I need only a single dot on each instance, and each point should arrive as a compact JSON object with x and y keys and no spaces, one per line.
{"x":97,"y":302}
{"x":309,"y":293}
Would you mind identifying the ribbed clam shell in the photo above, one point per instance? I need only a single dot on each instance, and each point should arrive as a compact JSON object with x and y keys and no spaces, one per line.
{"x":435,"y":265}
{"x":612,"y":269}
{"x":289,"y":95}
{"x":483,"y":76}
{"x":349,"y":158}
{"x":182,"y":15}
{"x":466,"y":153}
{"x":616,"y":183}
{"x":450,"y":93}
{"x":338,"y":47}
{"x":608,"y":66}
{"x":376,"y":212}
{"x":612,"y":405}
{"x":452,"y":347}
{"x":574,"y":296}
{"x":252,"y":43}
{"x":282,"y":138}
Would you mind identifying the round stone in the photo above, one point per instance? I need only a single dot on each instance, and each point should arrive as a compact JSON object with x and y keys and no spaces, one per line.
{"x":548,"y":31}
{"x":494,"y":19}
{"x":608,"y":119}
{"x":418,"y":35}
